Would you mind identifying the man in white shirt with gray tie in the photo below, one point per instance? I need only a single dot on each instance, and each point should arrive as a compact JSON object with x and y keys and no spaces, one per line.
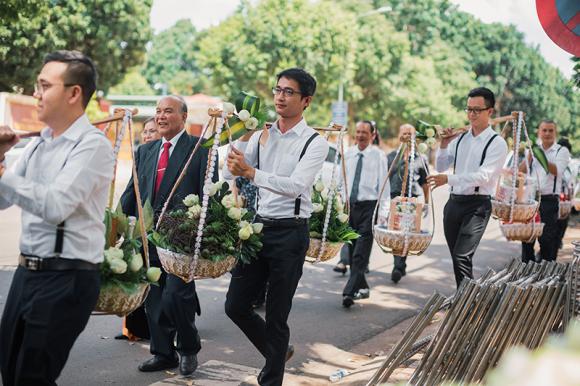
{"x":477,"y":156}
{"x":283,"y":163}
{"x":550,"y":188}
{"x":366,"y":168}
{"x":61,"y":182}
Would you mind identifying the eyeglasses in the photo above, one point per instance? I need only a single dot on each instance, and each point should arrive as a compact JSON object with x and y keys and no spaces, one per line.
{"x":476,"y":110}
{"x":41,"y":87}
{"x":288,"y":92}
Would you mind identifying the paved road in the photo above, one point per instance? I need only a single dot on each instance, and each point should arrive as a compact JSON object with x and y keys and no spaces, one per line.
{"x":317,"y":316}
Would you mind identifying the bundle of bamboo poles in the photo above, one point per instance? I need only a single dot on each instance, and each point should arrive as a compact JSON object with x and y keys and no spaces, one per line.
{"x":519,"y":305}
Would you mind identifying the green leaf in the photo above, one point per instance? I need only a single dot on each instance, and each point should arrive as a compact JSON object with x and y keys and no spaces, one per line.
{"x":540,"y":156}
{"x":147,"y":219}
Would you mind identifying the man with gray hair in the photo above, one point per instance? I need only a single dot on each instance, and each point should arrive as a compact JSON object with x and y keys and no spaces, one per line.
{"x":170,"y":306}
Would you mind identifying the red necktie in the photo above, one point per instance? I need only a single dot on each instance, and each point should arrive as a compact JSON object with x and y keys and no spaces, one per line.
{"x":162,"y":165}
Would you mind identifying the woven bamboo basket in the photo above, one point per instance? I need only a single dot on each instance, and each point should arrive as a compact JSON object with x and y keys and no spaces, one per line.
{"x":522,"y":232}
{"x":179,"y":264}
{"x":395,"y":240}
{"x":330,"y":251}
{"x":565,"y":209}
{"x":114,"y":300}
{"x":522,"y":212}
{"x":577,"y":204}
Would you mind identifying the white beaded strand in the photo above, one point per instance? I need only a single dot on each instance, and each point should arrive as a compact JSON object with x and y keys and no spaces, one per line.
{"x":515,"y":164}
{"x":331,"y":193}
{"x":206,"y":188}
{"x":407,"y":222}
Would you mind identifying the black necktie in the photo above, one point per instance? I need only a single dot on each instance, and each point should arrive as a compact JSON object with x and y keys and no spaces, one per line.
{"x":356,"y":180}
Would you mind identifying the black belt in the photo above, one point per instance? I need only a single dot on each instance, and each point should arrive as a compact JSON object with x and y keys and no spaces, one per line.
{"x":290,"y":222}
{"x":469,"y":197}
{"x":550,"y":197}
{"x":35,"y":263}
{"x":364,"y":203}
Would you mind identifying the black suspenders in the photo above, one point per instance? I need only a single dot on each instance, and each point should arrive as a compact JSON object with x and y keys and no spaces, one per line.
{"x":483,"y":154}
{"x":556,"y":176}
{"x":298,"y":200}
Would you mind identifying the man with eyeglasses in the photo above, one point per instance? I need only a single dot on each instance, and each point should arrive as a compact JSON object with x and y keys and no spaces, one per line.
{"x":61,"y":182}
{"x":282,"y":162}
{"x":477,"y":156}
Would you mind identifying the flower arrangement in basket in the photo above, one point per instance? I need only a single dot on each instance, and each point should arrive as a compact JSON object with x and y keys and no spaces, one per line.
{"x":516,"y":201}
{"x":206,"y":240}
{"x":338,"y":230}
{"x":228,"y":236}
{"x":401,"y":231}
{"x":125,"y":273}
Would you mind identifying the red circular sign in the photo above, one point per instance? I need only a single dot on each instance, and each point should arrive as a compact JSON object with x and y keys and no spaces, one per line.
{"x":561,"y":21}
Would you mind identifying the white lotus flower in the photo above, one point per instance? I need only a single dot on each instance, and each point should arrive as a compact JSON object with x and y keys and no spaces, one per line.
{"x":194,"y":211}
{"x":229,"y":108}
{"x":211,"y":189}
{"x":319,"y":186}
{"x":118,"y":266}
{"x":257,"y":227}
{"x":228,"y":201}
{"x":113,"y":254}
{"x":343,"y":217}
{"x":251,"y":124}
{"x":245,"y":233}
{"x":191,"y":200}
{"x":317,"y":208}
{"x":136,"y":262}
{"x":235,"y":213}
{"x":422,"y":147}
{"x":153,"y":274}
{"x":324,"y":194}
{"x":430,"y":133}
{"x":338,"y":206}
{"x":244,"y":115}
{"x":431,"y":142}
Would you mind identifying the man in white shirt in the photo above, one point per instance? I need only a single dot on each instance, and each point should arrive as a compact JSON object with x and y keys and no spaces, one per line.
{"x":477,"y":157}
{"x":283,"y":163}
{"x":61,"y":182}
{"x":366,"y":168}
{"x":550,"y":188}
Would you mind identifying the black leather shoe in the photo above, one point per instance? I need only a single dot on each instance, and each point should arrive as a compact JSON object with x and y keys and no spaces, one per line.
{"x":187,"y":364}
{"x":363,"y":293}
{"x":121,"y":337}
{"x":347,"y":301}
{"x":289,"y":352}
{"x":158,"y":363}
{"x":396,"y":275}
{"x":340,"y":268}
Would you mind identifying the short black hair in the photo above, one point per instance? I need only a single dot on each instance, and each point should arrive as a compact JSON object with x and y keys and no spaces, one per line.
{"x":372,"y":125}
{"x":484,"y":92}
{"x":306,"y":82}
{"x":550,"y":122}
{"x":80,"y":71}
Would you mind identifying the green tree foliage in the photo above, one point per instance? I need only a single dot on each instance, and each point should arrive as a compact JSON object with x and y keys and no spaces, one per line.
{"x":171,"y":59}
{"x":133,"y":83}
{"x":112,"y":33}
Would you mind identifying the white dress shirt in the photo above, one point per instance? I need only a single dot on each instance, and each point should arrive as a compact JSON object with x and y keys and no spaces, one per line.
{"x":281,"y":178}
{"x":62,"y":179}
{"x":173,"y":141}
{"x":468,"y":173}
{"x":373,"y":173}
{"x":558,"y":155}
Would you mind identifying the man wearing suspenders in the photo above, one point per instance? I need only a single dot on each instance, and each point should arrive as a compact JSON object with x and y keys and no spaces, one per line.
{"x":550,"y":187}
{"x":61,"y":182}
{"x":477,"y":157}
{"x":283,"y":163}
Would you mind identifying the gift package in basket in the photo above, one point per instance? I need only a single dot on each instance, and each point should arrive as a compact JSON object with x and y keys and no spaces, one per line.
{"x":399,"y":225}
{"x":206,"y":236}
{"x":517,"y":199}
{"x":328,"y":224}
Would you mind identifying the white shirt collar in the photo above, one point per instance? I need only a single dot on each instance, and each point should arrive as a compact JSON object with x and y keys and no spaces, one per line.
{"x":72,"y":133}
{"x":298,"y":129}
{"x":173,"y":140}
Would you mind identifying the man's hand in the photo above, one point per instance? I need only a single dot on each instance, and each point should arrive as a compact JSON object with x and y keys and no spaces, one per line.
{"x":437,"y":180}
{"x":446,"y":136}
{"x":237,"y":165}
{"x":8,"y":138}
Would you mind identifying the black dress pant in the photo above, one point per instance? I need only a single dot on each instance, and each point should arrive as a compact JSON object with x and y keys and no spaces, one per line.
{"x":550,"y":238}
{"x":136,"y":323}
{"x":361,"y":219}
{"x":44,"y":314}
{"x":464,"y":221}
{"x":171,"y":308}
{"x":279,"y":263}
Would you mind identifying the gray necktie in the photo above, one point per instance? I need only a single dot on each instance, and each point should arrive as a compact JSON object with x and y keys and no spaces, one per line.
{"x":356,"y":180}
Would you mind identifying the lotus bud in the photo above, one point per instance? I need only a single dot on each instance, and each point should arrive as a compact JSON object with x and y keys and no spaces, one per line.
{"x":235,"y":213}
{"x":422,"y":147}
{"x":252,"y":123}
{"x":244,"y":115}
{"x":245,"y":233}
{"x":343,"y":217}
{"x":153,"y":274}
{"x":229,"y":108}
{"x":319,"y":186}
{"x":191,"y":200}
{"x":194,"y":211}
{"x":118,"y":266}
{"x":430,"y":142}
{"x":136,"y":262}
{"x":430,"y":133}
{"x":257,"y":227}
{"x":317,"y":208}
